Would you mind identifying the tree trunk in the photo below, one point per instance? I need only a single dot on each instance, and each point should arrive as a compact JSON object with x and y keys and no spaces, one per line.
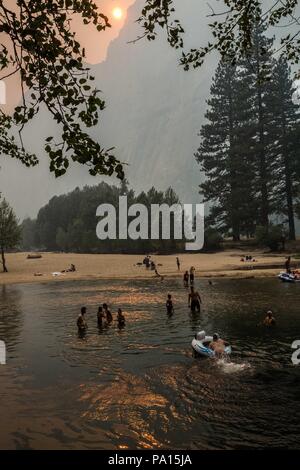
{"x":264,"y":209}
{"x":234,"y":216}
{"x":3,"y":260}
{"x":290,"y":206}
{"x":263,"y":167}
{"x":288,"y":184}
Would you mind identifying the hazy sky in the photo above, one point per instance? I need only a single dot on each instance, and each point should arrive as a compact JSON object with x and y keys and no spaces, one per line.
{"x":95,"y":42}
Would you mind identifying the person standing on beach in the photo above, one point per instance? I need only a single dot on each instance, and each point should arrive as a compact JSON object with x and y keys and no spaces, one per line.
{"x":81,"y":321}
{"x":192,"y":275}
{"x":194,"y":300}
{"x":288,"y":265}
{"x":107,"y":313}
{"x":178,"y":263}
{"x":186,"y":279}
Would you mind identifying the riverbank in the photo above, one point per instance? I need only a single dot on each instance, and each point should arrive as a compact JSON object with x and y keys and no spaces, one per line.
{"x":116,"y":266}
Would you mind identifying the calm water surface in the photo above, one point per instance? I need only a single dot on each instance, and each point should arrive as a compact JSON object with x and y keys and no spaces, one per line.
{"x":141,"y":387}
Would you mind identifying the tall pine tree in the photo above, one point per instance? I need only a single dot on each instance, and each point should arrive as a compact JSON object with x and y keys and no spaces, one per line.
{"x":285,"y":148}
{"x":223,"y":153}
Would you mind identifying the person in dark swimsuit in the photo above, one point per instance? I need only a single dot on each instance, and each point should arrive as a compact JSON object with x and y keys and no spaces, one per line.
{"x":121,"y":319}
{"x":100,"y":317}
{"x":186,"y":279}
{"x":194,"y":300}
{"x":107,"y":313}
{"x":81,"y":321}
{"x":169,"y":305}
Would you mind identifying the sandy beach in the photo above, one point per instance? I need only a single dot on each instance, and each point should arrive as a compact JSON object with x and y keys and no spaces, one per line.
{"x":97,"y":266}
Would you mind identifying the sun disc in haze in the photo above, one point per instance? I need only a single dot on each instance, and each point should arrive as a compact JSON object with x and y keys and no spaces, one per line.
{"x":117,"y":13}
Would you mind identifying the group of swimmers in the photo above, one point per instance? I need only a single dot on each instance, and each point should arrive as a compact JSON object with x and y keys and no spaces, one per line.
{"x":104,"y":318}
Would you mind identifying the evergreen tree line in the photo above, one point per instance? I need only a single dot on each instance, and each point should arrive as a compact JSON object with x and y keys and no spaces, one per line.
{"x":250,"y":144}
{"x":68,"y":222}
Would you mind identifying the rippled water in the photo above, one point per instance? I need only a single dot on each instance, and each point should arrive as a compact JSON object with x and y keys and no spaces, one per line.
{"x":141,"y":387}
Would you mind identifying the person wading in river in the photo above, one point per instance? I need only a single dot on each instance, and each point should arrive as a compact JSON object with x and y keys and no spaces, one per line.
{"x":107,"y":313}
{"x":194,"y":300}
{"x":81,"y":321}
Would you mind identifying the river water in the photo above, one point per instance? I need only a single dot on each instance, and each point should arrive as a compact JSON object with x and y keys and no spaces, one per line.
{"x":141,"y":387}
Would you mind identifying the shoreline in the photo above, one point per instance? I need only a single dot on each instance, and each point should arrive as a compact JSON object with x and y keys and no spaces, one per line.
{"x":225,"y":264}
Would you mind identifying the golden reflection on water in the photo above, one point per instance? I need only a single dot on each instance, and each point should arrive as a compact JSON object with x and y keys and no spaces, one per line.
{"x":131,"y":402}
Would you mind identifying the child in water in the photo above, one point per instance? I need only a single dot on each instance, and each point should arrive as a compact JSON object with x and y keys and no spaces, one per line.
{"x":169,"y":305}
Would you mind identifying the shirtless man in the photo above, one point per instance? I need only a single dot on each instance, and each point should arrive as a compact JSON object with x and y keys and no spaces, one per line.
{"x":269,"y":320}
{"x":218,"y":345}
{"x":194,"y":300}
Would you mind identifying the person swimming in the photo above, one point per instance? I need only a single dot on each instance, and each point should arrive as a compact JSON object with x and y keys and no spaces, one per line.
{"x":81,"y":321}
{"x":107,"y":313}
{"x":218,"y":345}
{"x":169,"y":305}
{"x":194,"y":300}
{"x":121,"y":318}
{"x":269,"y":319}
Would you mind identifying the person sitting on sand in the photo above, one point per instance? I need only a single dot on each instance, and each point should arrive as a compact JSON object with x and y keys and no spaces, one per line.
{"x":169,"y":305}
{"x":107,"y":313}
{"x":186,"y":279}
{"x":218,"y":345}
{"x":81,"y":321}
{"x":100,"y":317}
{"x":120,"y":318}
{"x":269,"y":320}
{"x":194,"y":300}
{"x":71,"y":269}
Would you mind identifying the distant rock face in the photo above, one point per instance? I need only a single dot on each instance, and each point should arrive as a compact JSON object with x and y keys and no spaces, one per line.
{"x":154,"y":112}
